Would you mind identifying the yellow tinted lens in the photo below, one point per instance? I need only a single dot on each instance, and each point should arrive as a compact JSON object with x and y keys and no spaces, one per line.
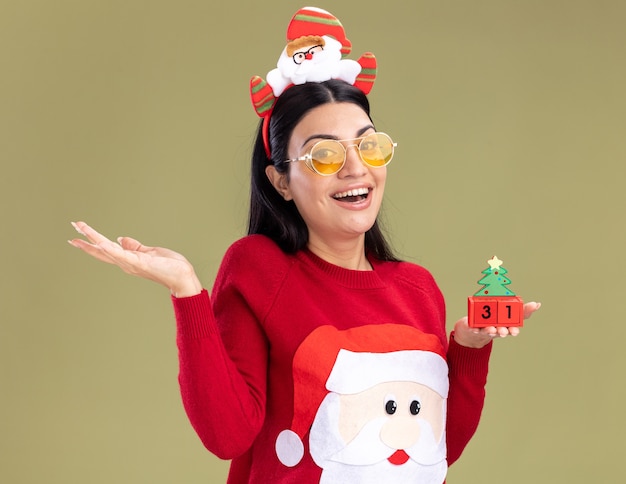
{"x":376,"y":149}
{"x":327,"y":157}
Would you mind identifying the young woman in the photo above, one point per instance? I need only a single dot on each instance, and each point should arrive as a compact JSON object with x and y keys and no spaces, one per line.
{"x":318,"y":357}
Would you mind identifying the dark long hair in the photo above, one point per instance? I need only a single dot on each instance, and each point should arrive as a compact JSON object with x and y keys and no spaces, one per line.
{"x":270,"y":214}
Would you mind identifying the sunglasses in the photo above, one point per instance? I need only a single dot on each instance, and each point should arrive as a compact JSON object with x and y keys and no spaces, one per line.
{"x":328,"y":156}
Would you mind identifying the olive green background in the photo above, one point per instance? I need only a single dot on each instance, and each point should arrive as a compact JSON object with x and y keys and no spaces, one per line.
{"x":134,"y":116}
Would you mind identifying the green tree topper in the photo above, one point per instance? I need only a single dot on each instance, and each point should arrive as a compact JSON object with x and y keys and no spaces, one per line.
{"x":494,"y":281}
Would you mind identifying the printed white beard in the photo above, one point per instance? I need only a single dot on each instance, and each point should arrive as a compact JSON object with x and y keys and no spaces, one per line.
{"x":364,"y":459}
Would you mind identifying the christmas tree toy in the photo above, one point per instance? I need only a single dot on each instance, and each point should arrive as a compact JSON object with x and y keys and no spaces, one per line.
{"x":495,"y":304}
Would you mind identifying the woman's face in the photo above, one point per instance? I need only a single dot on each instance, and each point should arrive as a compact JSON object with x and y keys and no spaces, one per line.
{"x":328,"y":204}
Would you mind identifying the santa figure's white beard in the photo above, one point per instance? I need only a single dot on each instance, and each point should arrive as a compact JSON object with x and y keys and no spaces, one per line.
{"x":325,"y":64}
{"x":365,"y":458}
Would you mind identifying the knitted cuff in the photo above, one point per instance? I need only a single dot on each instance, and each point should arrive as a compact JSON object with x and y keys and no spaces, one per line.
{"x":194,"y":316}
{"x":468,"y":361}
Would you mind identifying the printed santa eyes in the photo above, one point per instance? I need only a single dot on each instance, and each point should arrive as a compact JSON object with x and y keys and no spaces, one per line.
{"x":415,"y":407}
{"x":391,"y":406}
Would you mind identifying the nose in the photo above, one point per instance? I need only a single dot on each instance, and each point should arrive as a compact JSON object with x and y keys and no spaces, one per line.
{"x":353,"y":166}
{"x":308,"y":56}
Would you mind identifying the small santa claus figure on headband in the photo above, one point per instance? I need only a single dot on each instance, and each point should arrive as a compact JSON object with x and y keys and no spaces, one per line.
{"x":315,"y":52}
{"x":373,"y":401}
{"x":316,"y":43}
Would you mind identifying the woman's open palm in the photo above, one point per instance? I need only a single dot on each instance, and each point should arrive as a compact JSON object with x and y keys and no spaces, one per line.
{"x":157,"y":264}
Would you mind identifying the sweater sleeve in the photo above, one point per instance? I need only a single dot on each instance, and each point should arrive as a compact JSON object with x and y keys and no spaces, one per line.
{"x":223,"y":355}
{"x":468,"y":369}
{"x":225,"y":404}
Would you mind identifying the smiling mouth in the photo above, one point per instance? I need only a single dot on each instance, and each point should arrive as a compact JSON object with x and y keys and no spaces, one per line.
{"x":352,"y":196}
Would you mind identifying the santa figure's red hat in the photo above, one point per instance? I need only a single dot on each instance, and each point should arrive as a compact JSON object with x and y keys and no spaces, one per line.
{"x":351,"y":361}
{"x":315,"y":21}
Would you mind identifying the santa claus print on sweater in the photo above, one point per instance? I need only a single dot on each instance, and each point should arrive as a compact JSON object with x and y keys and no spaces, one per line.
{"x":372,"y":401}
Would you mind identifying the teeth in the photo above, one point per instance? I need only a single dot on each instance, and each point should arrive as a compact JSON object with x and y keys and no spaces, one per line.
{"x":352,"y":193}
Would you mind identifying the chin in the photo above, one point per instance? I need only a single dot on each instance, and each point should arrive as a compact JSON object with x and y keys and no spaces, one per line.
{"x":359,"y":228}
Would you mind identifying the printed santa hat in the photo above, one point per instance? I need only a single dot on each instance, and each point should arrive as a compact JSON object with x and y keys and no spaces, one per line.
{"x":351,"y":361}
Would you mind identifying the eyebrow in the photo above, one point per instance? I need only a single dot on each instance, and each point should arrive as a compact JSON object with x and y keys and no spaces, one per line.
{"x":359,"y":133}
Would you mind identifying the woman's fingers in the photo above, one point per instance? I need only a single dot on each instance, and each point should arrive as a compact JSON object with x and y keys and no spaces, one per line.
{"x":478,"y":337}
{"x":514,"y":330}
{"x":99,"y":246}
{"x":91,"y":249}
{"x":128,"y":243}
{"x":530,"y":308}
{"x":503,"y":332}
{"x":90,"y":234}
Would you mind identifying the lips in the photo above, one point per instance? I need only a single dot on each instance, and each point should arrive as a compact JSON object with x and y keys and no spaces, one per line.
{"x":398,"y":458}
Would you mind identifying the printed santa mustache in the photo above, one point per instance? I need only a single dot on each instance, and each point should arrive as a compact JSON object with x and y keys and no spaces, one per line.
{"x":426,"y":451}
{"x":367,"y":455}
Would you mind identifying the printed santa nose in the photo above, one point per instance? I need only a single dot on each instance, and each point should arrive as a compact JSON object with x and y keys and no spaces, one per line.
{"x":308,"y":56}
{"x":400,"y":433}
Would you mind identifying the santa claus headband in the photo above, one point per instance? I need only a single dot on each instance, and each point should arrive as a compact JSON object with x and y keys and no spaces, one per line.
{"x":351,"y":361}
{"x":315,"y":51}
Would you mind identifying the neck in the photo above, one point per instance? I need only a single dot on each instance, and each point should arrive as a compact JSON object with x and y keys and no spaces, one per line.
{"x":349,"y":254}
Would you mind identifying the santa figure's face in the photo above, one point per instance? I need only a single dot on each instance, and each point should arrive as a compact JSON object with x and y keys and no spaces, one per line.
{"x":310,"y":59}
{"x":390,"y":433}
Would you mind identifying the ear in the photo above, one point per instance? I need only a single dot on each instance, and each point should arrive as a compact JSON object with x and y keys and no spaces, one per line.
{"x":279,"y":181}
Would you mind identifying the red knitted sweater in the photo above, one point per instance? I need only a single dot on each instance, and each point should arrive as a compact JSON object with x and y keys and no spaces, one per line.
{"x":236,"y":348}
